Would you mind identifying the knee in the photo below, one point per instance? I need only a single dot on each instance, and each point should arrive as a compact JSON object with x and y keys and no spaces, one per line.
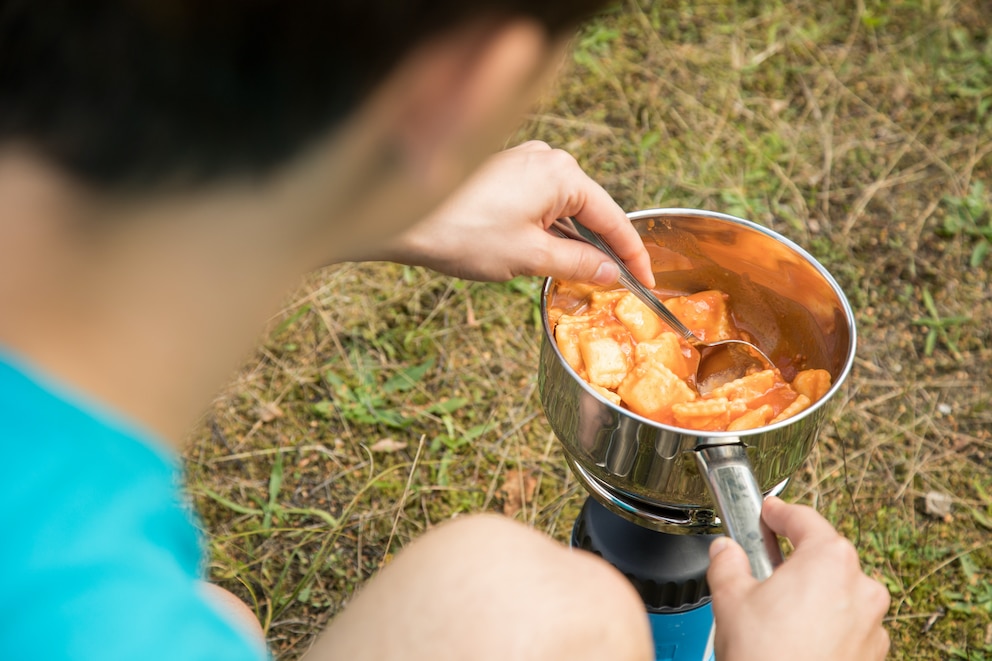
{"x":559,"y":602}
{"x":606,"y":608}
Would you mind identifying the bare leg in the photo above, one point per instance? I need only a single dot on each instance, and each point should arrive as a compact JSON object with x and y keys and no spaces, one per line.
{"x":486,"y":588}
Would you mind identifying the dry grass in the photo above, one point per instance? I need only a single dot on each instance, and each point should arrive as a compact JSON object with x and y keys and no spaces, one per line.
{"x":385,"y":399}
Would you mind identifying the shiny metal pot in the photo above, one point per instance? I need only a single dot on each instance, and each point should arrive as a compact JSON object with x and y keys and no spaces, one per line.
{"x":676,"y":480}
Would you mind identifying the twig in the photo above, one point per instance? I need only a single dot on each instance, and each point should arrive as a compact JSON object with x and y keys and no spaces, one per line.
{"x":406,"y":492}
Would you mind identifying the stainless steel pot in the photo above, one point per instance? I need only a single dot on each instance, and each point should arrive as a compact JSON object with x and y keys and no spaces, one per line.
{"x":676,"y":480}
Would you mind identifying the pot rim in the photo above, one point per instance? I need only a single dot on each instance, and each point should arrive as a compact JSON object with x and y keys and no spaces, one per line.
{"x":717,"y":435}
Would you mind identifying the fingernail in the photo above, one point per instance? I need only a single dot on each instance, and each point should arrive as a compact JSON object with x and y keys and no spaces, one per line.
{"x":718,"y":546}
{"x":606,"y":274}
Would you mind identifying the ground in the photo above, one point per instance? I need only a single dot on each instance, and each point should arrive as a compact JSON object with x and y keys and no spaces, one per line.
{"x":384,"y":399}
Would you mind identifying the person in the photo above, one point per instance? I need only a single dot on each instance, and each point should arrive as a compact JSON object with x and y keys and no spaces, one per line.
{"x":168,"y":171}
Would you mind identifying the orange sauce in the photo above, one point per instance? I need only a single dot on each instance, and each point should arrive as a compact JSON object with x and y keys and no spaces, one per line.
{"x":636,"y":361}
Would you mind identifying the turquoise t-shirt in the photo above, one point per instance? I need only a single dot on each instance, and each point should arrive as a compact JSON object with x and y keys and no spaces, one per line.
{"x":99,"y":558}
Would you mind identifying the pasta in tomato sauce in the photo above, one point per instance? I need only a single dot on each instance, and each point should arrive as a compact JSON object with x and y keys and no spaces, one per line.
{"x":633,"y":359}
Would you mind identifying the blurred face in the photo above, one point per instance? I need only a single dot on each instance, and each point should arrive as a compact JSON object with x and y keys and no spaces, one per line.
{"x":449,"y":106}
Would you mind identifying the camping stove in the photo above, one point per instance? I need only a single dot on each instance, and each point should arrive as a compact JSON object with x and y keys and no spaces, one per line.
{"x":664,"y":552}
{"x":667,"y":570}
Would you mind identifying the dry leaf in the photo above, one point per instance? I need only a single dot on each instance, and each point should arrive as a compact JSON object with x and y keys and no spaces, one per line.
{"x":517,"y":490}
{"x":938,"y":505}
{"x":776,"y":106}
{"x":269,"y":412}
{"x":387,"y":445}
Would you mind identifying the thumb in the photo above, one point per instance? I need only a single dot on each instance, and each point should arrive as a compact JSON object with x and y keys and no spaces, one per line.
{"x":566,"y":259}
{"x":729,"y":575}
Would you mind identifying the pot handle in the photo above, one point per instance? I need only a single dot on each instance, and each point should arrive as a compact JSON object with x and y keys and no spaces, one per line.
{"x":738,"y":502}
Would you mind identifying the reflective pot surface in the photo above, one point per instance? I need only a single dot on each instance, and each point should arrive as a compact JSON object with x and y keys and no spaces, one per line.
{"x":778,"y":293}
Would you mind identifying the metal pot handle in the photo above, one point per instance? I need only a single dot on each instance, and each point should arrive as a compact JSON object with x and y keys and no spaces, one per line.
{"x":738,"y":501}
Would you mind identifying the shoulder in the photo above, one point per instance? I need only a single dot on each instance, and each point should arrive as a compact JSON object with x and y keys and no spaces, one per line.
{"x":101,"y":557}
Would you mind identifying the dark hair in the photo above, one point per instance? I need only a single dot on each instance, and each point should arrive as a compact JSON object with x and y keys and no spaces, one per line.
{"x":132,"y":93}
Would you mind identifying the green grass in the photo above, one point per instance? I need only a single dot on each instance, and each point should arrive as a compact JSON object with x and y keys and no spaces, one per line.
{"x":385,"y":399}
{"x":971,"y":216}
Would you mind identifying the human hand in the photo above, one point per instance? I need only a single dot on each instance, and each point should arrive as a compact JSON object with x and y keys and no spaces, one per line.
{"x":817,"y":606}
{"x":494,"y":227}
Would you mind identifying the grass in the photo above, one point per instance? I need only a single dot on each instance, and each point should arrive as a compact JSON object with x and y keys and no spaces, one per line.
{"x":384,"y":399}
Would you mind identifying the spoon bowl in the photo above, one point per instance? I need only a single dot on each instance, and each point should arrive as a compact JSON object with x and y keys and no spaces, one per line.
{"x":720,"y":362}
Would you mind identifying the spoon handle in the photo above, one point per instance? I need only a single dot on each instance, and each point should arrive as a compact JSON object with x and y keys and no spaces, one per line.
{"x":569,"y":228}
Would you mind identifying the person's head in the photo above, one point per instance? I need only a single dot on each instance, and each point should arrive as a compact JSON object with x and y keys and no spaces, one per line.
{"x":141,"y":98}
{"x":169,"y":168}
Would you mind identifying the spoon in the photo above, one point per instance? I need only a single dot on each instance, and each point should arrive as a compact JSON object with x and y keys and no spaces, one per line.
{"x":720,"y":362}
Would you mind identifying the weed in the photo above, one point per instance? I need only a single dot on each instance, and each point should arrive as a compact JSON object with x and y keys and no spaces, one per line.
{"x":369,"y":402}
{"x":939,"y":327}
{"x":971,"y":216}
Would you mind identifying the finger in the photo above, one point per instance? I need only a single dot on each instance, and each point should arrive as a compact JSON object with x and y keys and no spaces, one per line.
{"x":876,"y":598}
{"x":601,"y":214}
{"x":627,"y":244}
{"x":882,"y":644}
{"x":729,"y":575}
{"x":567,"y":259}
{"x":798,"y":523}
{"x":595,"y":209}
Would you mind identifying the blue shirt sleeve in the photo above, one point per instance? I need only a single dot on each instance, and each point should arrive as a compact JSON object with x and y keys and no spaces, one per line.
{"x":99,"y":557}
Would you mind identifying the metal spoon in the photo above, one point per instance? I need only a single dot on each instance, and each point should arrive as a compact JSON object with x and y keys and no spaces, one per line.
{"x":719,"y":362}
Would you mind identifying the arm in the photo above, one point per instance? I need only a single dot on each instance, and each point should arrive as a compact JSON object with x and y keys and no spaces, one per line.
{"x":493,"y":227}
{"x":818,"y":605}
